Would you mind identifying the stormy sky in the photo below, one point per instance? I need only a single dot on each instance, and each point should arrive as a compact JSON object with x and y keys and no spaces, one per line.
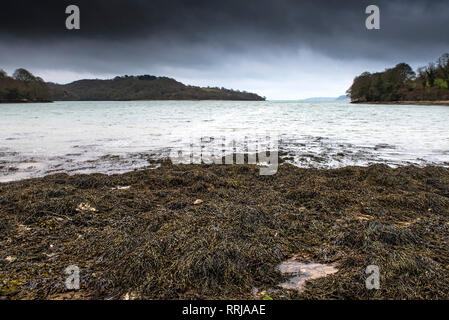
{"x":281,"y":49}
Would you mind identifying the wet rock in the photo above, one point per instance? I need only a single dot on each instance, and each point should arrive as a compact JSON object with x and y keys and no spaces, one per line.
{"x":301,"y":272}
{"x":122,"y":188}
{"x":23,"y":228}
{"x":130,"y":296}
{"x":11,"y":259}
{"x":85,"y":207}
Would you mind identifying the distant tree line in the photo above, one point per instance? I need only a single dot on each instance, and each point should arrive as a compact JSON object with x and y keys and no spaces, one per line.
{"x":143,"y":87}
{"x":401,"y":83}
{"x":23,"y":86}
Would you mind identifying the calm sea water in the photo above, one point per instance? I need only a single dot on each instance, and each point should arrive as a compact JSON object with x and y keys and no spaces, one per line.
{"x":110,"y":137}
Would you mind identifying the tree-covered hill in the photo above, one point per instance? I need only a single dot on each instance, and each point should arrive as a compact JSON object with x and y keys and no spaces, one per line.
{"x":144,"y":87}
{"x":23,"y":87}
{"x":401,"y":83}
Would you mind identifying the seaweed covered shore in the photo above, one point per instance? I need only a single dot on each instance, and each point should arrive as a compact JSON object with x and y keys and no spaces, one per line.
{"x":220,"y":232}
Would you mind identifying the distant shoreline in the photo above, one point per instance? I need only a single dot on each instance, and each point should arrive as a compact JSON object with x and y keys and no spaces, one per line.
{"x":417,"y":103}
{"x":24,"y":101}
{"x":193,"y":100}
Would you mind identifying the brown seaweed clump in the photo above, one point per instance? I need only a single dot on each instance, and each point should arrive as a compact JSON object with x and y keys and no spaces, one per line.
{"x":219,"y":232}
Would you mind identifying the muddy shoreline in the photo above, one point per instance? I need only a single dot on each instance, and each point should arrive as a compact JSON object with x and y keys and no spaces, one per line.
{"x":221,"y":232}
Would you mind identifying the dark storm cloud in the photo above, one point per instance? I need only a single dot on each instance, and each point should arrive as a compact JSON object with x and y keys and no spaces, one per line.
{"x":118,"y":37}
{"x":317,"y":23}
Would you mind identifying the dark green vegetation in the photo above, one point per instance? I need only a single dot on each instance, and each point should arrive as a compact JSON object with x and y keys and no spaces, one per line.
{"x":23,"y":87}
{"x":152,"y":241}
{"x":401,"y":83}
{"x":142,"y":88}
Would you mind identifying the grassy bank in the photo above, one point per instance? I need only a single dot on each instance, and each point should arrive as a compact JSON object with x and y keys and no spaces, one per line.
{"x":144,"y":234}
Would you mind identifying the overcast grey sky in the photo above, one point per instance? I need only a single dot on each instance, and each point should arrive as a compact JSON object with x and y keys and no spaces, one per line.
{"x":282,"y":49}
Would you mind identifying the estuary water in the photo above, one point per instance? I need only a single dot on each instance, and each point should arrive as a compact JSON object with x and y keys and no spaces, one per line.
{"x":113,"y":137}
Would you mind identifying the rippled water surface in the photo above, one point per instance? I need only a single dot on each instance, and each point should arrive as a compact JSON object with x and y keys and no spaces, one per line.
{"x":109,"y":137}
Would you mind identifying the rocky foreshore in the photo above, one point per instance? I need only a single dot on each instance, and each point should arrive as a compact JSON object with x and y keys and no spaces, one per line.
{"x":211,"y":231}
